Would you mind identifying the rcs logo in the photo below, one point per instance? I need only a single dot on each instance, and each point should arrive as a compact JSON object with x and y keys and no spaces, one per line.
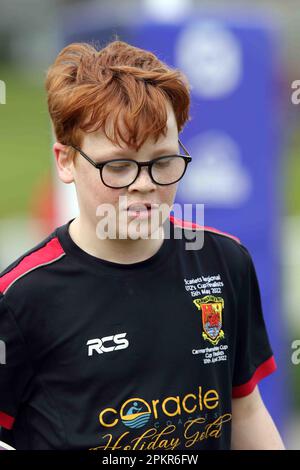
{"x":97,"y":344}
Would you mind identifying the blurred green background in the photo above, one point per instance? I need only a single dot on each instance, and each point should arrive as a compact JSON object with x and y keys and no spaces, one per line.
{"x":25,"y":136}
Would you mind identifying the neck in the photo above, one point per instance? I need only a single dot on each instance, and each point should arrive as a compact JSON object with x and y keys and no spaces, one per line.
{"x":122,"y":251}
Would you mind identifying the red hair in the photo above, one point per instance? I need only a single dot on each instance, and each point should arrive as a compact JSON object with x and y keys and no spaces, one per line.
{"x":89,"y":89}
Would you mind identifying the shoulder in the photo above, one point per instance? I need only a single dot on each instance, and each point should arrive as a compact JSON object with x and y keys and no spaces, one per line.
{"x":188,"y":225}
{"x":228,"y":248}
{"x":48,"y":251}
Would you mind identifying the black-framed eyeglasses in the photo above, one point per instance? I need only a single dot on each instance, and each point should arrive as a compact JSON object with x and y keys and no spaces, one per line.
{"x":121,"y":172}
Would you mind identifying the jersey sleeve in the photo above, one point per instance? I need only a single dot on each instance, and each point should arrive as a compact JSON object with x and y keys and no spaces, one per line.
{"x":253,"y":359}
{"x":15,"y":369}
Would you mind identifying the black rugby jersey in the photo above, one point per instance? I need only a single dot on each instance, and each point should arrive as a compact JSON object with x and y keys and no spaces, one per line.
{"x":145,"y":356}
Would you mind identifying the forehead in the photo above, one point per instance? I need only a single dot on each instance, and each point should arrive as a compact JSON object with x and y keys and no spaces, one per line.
{"x":98,"y":142}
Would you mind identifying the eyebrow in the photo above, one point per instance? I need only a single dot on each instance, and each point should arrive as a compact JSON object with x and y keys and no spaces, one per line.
{"x":122,"y":153}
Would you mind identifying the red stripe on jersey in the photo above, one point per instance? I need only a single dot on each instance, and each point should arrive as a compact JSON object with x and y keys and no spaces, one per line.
{"x":266,"y":368}
{"x":188,"y":224}
{"x":45,"y":255}
{"x":6,"y":421}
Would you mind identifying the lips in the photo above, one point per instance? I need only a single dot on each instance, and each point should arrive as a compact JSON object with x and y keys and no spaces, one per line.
{"x":138,"y":207}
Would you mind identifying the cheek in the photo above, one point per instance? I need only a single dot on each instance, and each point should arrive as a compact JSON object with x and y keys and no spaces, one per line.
{"x":166,"y":198}
{"x":98,"y":193}
{"x":92,"y":192}
{"x":167,"y":194}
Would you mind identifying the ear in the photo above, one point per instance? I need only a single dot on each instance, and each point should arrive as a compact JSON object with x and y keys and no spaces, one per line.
{"x":64,"y":162}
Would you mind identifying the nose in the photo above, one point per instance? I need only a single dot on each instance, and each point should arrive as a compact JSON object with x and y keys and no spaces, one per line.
{"x":143,"y":183}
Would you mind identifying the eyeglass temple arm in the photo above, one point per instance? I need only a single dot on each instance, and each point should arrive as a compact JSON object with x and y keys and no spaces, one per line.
{"x":96,"y":165}
{"x":184,"y":148}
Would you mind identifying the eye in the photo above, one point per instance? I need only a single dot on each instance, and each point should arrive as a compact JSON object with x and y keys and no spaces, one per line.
{"x":118,"y":166}
{"x":164,"y":162}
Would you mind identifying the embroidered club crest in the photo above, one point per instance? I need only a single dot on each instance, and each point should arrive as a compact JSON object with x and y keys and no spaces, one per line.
{"x":211,"y":308}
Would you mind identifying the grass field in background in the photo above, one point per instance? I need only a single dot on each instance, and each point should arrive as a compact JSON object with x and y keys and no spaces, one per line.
{"x":25,"y":138}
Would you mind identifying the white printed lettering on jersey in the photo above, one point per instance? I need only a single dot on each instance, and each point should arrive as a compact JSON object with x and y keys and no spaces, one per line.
{"x":97,"y":344}
{"x":210,"y":284}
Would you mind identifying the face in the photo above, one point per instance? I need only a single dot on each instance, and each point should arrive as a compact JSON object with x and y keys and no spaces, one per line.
{"x":106,"y":208}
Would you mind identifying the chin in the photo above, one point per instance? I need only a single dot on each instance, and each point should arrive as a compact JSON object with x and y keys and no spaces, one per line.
{"x":140,"y":230}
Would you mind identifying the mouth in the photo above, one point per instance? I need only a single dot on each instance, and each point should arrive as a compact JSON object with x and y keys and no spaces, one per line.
{"x":141,"y":210}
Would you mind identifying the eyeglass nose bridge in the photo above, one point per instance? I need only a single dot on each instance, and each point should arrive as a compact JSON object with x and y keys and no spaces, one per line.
{"x":149,"y":168}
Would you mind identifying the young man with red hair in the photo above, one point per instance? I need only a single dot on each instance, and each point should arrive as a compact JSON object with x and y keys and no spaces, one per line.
{"x":130,"y":340}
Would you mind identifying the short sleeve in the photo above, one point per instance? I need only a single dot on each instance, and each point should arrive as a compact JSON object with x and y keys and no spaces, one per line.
{"x":15,"y":369}
{"x":253,"y":358}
